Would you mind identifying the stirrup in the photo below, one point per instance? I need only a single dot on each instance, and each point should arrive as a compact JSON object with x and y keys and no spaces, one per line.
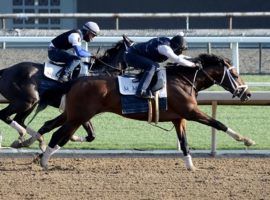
{"x":64,"y":78}
{"x":144,"y":94}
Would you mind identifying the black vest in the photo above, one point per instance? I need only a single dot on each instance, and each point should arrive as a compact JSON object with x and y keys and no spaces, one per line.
{"x":61,"y":41}
{"x":149,"y":49}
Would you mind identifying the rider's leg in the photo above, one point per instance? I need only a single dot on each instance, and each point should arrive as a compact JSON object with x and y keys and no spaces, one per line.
{"x":142,"y":90}
{"x":66,"y":73}
{"x":71,"y":61}
{"x":149,"y":67}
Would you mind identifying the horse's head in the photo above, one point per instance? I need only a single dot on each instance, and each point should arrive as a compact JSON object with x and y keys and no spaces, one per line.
{"x":221,"y":72}
{"x":112,"y":61}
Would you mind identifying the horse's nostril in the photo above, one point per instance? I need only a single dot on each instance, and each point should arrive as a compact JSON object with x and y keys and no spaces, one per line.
{"x":248,"y":95}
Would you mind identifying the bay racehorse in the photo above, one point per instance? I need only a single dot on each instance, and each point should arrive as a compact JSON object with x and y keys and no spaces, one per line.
{"x":24,"y":84}
{"x":101,"y":94}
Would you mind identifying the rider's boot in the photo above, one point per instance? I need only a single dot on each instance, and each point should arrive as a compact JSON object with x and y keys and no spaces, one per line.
{"x":65,"y":75}
{"x":142,"y":90}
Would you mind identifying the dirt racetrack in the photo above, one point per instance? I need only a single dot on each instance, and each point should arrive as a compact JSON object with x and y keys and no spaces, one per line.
{"x":136,"y":178}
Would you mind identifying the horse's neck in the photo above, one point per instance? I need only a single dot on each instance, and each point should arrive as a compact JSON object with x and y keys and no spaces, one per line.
{"x":197,"y":80}
{"x":112,"y":64}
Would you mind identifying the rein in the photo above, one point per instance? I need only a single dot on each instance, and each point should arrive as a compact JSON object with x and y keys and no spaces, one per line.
{"x":108,"y":65}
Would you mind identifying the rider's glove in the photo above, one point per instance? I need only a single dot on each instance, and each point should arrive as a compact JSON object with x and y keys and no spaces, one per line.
{"x":198,"y":65}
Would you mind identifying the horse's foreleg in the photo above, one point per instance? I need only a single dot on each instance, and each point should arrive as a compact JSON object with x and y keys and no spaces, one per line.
{"x":203,"y":118}
{"x":180,"y":127}
{"x":90,"y":133}
{"x":47,"y":127}
{"x":58,"y":140}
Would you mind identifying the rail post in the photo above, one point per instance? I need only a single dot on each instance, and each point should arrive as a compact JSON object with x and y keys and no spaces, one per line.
{"x":260,"y":58}
{"x":214,"y":139}
{"x":187,"y":23}
{"x":117,"y":23}
{"x":235,"y":55}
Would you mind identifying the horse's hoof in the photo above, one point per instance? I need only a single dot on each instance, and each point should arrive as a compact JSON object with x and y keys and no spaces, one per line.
{"x":42,"y":146}
{"x":192,"y":169}
{"x":40,"y":139}
{"x":248,"y":142}
{"x":43,"y":162}
{"x":36,"y":159}
{"x":16,"y":144}
{"x":28,"y":142}
{"x":90,"y":138}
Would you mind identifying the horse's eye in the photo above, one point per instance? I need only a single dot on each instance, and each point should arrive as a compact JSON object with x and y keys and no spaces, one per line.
{"x":235,"y":76}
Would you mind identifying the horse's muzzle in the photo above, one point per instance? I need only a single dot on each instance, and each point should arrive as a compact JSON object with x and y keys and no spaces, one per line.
{"x":245,"y":97}
{"x":242,"y":93}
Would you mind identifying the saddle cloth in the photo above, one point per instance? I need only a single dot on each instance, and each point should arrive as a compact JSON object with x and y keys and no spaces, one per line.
{"x":51,"y":70}
{"x":131,"y":103}
{"x":128,"y":85}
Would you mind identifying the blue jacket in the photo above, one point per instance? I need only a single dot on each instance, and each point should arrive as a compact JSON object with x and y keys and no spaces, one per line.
{"x":149,"y":49}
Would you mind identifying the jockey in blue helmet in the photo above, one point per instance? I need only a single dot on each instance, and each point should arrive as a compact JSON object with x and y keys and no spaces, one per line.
{"x":147,"y":55}
{"x":71,"y":39}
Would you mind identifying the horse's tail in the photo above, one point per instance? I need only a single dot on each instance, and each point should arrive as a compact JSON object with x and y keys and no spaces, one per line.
{"x":41,"y":106}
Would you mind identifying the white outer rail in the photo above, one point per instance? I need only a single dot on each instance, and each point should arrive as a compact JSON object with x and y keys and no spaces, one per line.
{"x":103,"y":40}
{"x":117,"y":16}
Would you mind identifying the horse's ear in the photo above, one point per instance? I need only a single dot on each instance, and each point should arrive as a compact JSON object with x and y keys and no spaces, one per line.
{"x":127,"y":41}
{"x":227,"y":62}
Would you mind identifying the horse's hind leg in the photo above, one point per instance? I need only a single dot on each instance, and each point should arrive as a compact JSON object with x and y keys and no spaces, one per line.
{"x":90,"y":133}
{"x":10,"y":110}
{"x":47,"y":127}
{"x":199,"y":116}
{"x":180,"y":127}
{"x":21,"y":117}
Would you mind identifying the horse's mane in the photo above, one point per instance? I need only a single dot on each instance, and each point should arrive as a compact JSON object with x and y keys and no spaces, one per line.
{"x":205,"y":59}
{"x":112,"y":51}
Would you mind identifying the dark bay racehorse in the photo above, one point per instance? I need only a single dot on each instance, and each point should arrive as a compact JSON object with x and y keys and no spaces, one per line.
{"x":24,"y":84}
{"x":101,"y":94}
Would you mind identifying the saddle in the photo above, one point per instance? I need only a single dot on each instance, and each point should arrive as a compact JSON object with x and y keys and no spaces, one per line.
{"x":52,"y":70}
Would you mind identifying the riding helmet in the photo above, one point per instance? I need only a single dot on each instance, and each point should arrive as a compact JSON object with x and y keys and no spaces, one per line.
{"x":178,"y":43}
{"x":92,"y":27}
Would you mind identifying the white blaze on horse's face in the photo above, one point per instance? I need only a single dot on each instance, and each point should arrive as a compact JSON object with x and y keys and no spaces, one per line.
{"x":233,"y":83}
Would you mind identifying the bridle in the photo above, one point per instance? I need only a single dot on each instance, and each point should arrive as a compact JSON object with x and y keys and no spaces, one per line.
{"x":239,"y":90}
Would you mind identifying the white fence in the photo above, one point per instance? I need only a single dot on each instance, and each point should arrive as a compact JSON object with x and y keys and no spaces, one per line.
{"x":234,"y":41}
{"x":117,"y":16}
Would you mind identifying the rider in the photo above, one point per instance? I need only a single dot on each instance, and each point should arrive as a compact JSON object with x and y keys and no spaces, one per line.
{"x":148,"y":54}
{"x":72,"y":39}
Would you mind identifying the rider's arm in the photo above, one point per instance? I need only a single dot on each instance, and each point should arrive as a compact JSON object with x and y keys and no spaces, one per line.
{"x":75,"y":40}
{"x":184,"y":56}
{"x":81,"y":52}
{"x":167,"y":51}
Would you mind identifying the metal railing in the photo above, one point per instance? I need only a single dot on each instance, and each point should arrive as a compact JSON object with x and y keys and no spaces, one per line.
{"x":100,"y":41}
{"x":117,"y":16}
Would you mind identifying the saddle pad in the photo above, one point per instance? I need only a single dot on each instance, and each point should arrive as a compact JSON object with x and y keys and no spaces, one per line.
{"x":128,"y":85}
{"x":51,"y":70}
{"x":132,"y":104}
